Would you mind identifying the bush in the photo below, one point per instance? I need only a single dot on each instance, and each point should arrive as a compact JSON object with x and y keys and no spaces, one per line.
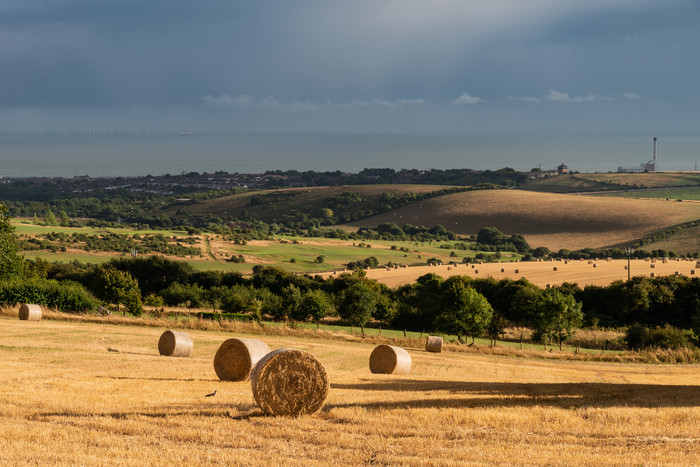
{"x":639,"y":337}
{"x":67,"y":296}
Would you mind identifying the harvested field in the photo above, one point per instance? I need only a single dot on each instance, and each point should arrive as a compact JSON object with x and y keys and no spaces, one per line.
{"x":66,"y":399}
{"x":540,"y":273}
{"x":552,"y":220}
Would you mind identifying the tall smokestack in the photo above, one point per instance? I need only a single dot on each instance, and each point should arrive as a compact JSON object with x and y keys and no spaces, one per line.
{"x":654,"y":149}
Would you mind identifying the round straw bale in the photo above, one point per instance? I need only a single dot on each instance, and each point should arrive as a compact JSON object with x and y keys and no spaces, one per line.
{"x":29,"y":312}
{"x":236,"y":357}
{"x":175,"y":344}
{"x":389,"y":360}
{"x":289,"y":382}
{"x":433,"y":344}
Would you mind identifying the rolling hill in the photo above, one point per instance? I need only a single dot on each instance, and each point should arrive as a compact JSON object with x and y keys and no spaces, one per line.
{"x":545,"y":219}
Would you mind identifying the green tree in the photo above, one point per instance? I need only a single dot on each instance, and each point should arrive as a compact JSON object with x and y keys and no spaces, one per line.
{"x":357,"y":304}
{"x":291,"y":299}
{"x":64,"y":221}
{"x":50,"y":218}
{"x":11,"y":264}
{"x":315,"y":305}
{"x":466,"y":311}
{"x":118,"y":287}
{"x":557,"y":315}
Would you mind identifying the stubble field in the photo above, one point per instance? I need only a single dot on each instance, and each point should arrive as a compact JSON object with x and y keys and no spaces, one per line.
{"x":99,"y":394}
{"x":543,"y":273}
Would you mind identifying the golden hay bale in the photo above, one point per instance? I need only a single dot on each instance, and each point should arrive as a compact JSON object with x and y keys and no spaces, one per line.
{"x":389,"y":360}
{"x":433,"y":344}
{"x":175,"y":344}
{"x":236,"y":358}
{"x":289,"y":382}
{"x":29,"y":312}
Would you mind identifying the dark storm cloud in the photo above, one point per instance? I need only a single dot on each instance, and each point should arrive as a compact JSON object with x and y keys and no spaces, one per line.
{"x":405,"y":62}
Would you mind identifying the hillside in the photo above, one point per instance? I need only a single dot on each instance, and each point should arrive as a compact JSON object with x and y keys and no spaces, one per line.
{"x":552,"y":220}
{"x":575,"y":183}
{"x":295,"y":203}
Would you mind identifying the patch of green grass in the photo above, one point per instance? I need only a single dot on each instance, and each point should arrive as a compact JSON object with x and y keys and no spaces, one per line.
{"x":26,"y":228}
{"x":685,"y":193}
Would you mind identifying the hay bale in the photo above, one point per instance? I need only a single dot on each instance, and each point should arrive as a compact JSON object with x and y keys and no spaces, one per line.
{"x":237,"y":357}
{"x":289,"y":382}
{"x":175,"y":344}
{"x":433,"y":344}
{"x":29,"y":312}
{"x":389,"y":360}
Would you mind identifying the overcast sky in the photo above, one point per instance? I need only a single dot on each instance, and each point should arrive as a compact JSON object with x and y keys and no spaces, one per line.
{"x":435,"y":66}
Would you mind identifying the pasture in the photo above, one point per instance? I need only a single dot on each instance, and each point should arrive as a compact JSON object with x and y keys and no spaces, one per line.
{"x":99,"y":394}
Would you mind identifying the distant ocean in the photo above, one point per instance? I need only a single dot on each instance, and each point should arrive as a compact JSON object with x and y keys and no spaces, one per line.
{"x":23,"y":155}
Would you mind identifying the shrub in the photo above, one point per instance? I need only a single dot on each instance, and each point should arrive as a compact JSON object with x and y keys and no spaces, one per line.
{"x":67,"y":296}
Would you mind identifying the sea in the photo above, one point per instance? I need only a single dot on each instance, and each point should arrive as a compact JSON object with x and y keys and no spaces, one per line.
{"x":144,"y":153}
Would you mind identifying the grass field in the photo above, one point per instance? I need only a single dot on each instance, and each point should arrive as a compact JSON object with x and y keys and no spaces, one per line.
{"x":684,"y":193}
{"x":99,"y":394}
{"x":552,"y":220}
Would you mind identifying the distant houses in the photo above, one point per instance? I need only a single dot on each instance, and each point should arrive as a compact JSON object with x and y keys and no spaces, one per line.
{"x":539,"y":173}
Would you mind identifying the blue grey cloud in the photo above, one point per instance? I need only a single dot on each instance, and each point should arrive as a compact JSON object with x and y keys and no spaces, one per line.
{"x":348,"y":57}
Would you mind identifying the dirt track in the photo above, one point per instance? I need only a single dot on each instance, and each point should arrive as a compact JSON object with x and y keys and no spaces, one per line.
{"x":542,"y":273}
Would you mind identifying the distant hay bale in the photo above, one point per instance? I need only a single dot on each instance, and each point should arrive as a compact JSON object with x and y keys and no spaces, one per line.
{"x":554,"y":268}
{"x":595,"y":265}
{"x":236,"y":358}
{"x":517,"y":271}
{"x":29,"y":312}
{"x":652,"y":274}
{"x":289,"y":382}
{"x":433,"y":344}
{"x":175,"y":344}
{"x":503,"y":270}
{"x":389,"y":360}
{"x":692,"y":271}
{"x":652,"y":265}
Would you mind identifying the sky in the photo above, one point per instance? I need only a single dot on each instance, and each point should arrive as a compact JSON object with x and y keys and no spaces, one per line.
{"x":352,"y":66}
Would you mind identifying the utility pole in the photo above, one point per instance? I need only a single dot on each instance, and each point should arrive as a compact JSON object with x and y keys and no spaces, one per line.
{"x":628,"y":252}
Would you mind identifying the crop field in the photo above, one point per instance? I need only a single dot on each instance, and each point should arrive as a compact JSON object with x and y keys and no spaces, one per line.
{"x":542,"y":273}
{"x":552,"y":220}
{"x":99,"y":394}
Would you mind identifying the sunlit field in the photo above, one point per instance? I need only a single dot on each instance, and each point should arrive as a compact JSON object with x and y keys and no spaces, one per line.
{"x":99,"y":394}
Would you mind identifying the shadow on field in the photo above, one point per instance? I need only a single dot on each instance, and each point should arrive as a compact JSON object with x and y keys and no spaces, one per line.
{"x":487,"y":394}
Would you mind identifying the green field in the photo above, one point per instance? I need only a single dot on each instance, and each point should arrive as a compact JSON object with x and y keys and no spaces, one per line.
{"x":684,"y":193}
{"x":573,"y":183}
{"x":24,"y":227}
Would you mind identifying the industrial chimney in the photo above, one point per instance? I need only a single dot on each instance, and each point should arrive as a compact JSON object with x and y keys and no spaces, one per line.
{"x":654,"y":150}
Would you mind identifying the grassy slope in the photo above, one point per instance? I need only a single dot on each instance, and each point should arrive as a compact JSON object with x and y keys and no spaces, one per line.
{"x":275,"y":204}
{"x":67,"y":399}
{"x":545,"y":219}
{"x":612,"y":181}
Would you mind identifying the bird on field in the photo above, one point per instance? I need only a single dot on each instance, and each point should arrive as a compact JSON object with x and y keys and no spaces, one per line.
{"x":211,"y":395}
